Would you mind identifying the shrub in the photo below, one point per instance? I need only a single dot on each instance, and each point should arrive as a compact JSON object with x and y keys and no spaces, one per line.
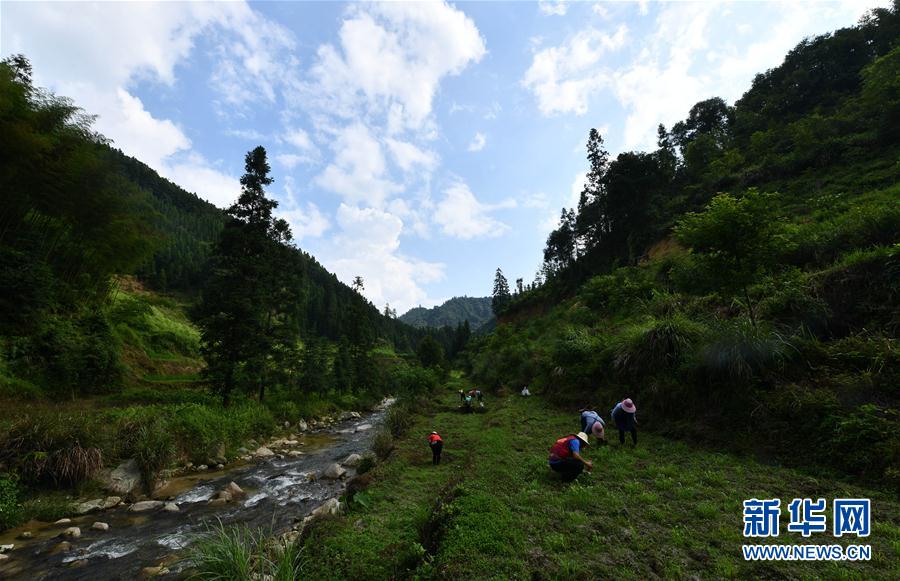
{"x":398,"y":419}
{"x":60,"y":448}
{"x":741,"y":351}
{"x":618,"y":292}
{"x":790,"y":301}
{"x":655,"y":345}
{"x":154,"y":450}
{"x":366,"y":464}
{"x":383,"y":444}
{"x":865,"y":441}
{"x":10,"y":510}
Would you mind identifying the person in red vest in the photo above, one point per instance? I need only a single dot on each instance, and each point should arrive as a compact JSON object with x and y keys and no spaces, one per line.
{"x":565,"y":456}
{"x":437,"y":444}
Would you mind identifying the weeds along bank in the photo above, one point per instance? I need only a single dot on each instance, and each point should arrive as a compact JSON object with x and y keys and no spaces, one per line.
{"x":493,"y":509}
{"x":800,"y":362}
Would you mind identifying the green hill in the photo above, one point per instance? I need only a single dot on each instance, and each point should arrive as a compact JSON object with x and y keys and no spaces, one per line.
{"x":741,"y":281}
{"x":476,"y":310}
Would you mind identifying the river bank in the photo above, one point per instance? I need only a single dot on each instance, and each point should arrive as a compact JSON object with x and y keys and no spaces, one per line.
{"x":279,"y":483}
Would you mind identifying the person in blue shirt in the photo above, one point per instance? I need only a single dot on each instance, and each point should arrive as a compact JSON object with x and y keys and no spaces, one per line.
{"x":565,"y":456}
{"x":593,"y":424}
{"x":625,"y":417}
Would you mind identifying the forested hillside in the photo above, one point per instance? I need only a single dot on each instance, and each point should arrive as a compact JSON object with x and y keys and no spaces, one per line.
{"x":138,"y":321}
{"x":474,"y":310}
{"x":740,"y":282}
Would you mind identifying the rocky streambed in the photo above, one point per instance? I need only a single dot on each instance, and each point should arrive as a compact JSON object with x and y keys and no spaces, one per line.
{"x":273,"y":487}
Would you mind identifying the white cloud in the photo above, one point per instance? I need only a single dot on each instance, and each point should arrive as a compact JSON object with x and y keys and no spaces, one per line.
{"x":553,"y":7}
{"x":305,"y":222}
{"x":368,"y":246}
{"x":391,"y":58}
{"x":407,"y":156}
{"x":461,"y":215}
{"x":299,"y":139}
{"x":357,"y":172}
{"x":195,"y":174}
{"x":600,"y":10}
{"x":564,"y":77}
{"x":478,"y":142}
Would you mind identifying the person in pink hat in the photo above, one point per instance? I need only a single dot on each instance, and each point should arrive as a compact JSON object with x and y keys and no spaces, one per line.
{"x":625,"y":417}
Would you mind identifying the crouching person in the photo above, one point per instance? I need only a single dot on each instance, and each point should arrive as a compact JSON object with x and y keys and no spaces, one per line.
{"x":565,"y":456}
{"x":436,"y":444}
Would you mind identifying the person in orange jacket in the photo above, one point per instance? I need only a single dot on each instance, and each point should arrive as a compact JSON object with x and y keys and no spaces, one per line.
{"x":436,"y":444}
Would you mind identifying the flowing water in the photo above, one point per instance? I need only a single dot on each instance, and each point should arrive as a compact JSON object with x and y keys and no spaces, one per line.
{"x":278,"y":492}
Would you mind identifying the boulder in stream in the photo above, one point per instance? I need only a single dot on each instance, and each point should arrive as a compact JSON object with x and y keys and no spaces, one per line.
{"x":352,"y":460}
{"x":6,"y":548}
{"x":263,"y":452}
{"x":72,"y":532}
{"x":100,"y":526}
{"x":171,"y":507}
{"x":154,"y":571}
{"x":145,"y":505}
{"x":302,"y":426}
{"x":63,"y":521}
{"x":25,"y":535}
{"x":233,"y":489}
{"x":111,"y":501}
{"x":363,"y":427}
{"x":62,"y":547}
{"x":124,"y":479}
{"x":334,"y":472}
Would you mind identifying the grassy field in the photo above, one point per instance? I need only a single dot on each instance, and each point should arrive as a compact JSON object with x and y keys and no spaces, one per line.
{"x":493,"y":509}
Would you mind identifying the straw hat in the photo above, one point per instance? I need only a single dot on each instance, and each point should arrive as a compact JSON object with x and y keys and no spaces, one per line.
{"x":628,"y":405}
{"x":583,"y":437}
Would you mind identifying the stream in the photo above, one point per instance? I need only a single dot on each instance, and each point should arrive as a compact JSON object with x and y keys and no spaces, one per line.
{"x":279,"y":492}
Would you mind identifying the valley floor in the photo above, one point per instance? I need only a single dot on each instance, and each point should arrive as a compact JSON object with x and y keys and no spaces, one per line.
{"x":493,"y":509}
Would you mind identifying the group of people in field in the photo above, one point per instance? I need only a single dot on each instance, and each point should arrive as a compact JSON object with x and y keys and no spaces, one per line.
{"x":565,"y":454}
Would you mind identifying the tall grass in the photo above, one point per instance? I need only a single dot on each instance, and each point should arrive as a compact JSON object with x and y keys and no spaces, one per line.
{"x":237,"y":553}
{"x":741,"y":351}
{"x":657,"y":343}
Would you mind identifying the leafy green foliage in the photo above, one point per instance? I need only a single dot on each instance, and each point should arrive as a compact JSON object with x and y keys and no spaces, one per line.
{"x":10,"y":510}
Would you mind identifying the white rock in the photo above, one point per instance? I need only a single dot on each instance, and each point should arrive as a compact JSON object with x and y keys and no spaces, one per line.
{"x":233,"y":489}
{"x":363,"y":427}
{"x":146,"y":505}
{"x":202,"y":467}
{"x":25,"y":535}
{"x":295,"y":453}
{"x":334,"y":472}
{"x":63,"y":521}
{"x":287,"y":425}
{"x":352,"y":460}
{"x":330,"y":506}
{"x":302,"y":426}
{"x":263,"y":452}
{"x":100,"y":526}
{"x":220,"y":466}
{"x":6,"y":548}
{"x":125,"y":478}
{"x":110,"y":502}
{"x":171,"y":507}
{"x":72,"y":532}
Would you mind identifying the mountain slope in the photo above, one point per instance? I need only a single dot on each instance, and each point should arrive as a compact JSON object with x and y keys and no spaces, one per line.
{"x":476,"y":310}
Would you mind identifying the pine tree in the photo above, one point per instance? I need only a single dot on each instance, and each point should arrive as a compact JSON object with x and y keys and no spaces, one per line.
{"x":501,"y":295}
{"x":244,"y":305}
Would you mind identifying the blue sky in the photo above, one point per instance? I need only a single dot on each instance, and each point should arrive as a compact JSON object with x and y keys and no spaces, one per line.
{"x":419,"y":145}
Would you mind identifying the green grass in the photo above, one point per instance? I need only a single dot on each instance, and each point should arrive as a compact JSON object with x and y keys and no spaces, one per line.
{"x":493,"y":509}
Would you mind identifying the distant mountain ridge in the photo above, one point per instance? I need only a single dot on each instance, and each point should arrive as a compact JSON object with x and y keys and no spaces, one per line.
{"x":476,"y":310}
